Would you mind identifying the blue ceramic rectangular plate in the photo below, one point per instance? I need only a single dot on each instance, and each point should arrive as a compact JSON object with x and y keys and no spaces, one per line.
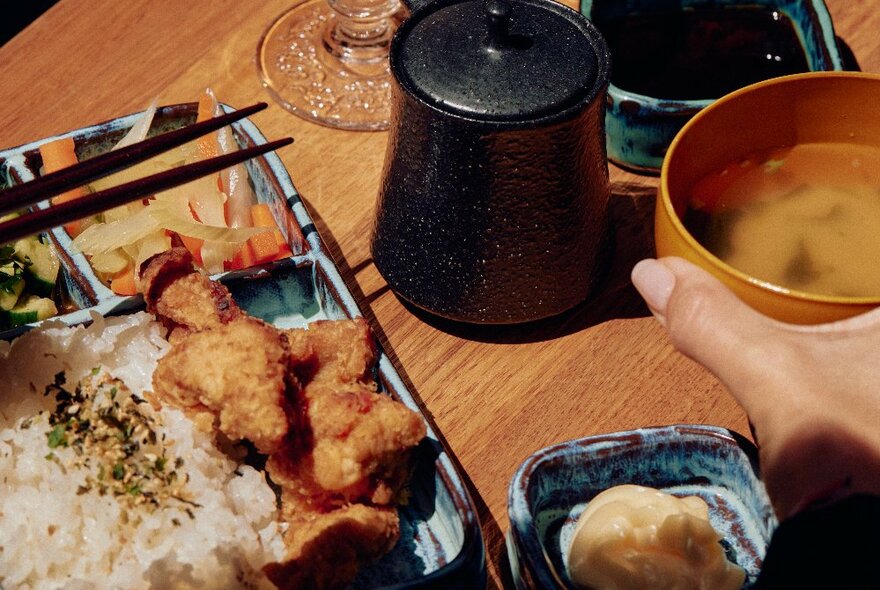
{"x":441,"y":544}
{"x":553,"y":486}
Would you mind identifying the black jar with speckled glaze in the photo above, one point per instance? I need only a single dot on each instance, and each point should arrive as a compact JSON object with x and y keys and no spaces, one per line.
{"x":493,"y":204}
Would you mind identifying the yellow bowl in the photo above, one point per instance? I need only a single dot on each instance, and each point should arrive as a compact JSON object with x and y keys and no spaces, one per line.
{"x":781,"y":112}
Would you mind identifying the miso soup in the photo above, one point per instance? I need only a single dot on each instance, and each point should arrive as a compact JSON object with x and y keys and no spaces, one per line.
{"x":805,"y":218}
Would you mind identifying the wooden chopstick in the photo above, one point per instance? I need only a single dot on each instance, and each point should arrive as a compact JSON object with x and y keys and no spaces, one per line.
{"x":43,"y":219}
{"x":28,"y":193}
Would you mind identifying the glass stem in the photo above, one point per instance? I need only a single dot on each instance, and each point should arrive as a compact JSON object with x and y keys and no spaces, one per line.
{"x":360,"y":30}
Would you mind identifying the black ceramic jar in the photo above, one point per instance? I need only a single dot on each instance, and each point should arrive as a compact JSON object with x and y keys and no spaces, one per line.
{"x":493,"y":204}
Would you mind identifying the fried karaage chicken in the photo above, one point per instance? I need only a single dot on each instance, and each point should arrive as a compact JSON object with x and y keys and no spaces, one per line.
{"x":183,"y":300}
{"x":325,"y":550}
{"x":339,"y":450}
{"x":233,"y":377}
{"x":361,"y":447}
{"x":360,"y":437}
{"x":340,"y":352}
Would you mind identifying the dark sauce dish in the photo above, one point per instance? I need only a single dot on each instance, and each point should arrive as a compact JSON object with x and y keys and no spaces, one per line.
{"x":702,"y":53}
{"x":672,"y":58}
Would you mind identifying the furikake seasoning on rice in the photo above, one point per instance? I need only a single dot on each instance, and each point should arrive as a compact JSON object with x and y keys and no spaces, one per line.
{"x":102,"y":487}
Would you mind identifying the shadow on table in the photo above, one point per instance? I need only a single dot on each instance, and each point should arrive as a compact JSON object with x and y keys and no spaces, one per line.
{"x":15,"y":20}
{"x":614,"y":297}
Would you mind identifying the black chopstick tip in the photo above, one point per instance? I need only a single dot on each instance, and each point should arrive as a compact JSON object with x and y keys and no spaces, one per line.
{"x":283,"y":141}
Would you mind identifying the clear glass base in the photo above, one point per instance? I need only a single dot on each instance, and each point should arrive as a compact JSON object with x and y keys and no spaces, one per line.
{"x":316,"y":72}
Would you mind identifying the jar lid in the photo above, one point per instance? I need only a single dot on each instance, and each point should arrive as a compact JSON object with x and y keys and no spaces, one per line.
{"x":500,"y":60}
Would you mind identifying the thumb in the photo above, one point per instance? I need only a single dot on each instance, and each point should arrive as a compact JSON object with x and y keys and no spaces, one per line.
{"x":704,"y":319}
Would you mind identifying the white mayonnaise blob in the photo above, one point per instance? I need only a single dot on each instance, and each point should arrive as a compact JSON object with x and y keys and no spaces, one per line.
{"x":636,"y":537}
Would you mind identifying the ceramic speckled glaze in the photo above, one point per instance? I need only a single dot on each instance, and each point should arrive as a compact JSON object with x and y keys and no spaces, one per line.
{"x":441,"y":543}
{"x":639,"y":128}
{"x":493,"y":203}
{"x":552,"y":488}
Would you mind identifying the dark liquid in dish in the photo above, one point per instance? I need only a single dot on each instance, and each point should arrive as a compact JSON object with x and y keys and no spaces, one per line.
{"x":700,"y":53}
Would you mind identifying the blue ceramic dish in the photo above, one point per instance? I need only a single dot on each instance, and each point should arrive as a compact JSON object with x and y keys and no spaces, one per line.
{"x":552,"y":488}
{"x":441,"y":544}
{"x":639,"y":128}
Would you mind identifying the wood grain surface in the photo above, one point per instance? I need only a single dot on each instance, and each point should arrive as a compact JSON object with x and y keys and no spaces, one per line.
{"x":496,"y":394}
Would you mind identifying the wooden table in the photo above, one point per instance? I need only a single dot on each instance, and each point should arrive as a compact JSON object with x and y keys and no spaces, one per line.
{"x":496,"y":394}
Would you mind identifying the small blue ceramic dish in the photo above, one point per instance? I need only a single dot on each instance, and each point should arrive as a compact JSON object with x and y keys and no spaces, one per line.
{"x":441,"y":544}
{"x":667,"y":53}
{"x":552,"y":488}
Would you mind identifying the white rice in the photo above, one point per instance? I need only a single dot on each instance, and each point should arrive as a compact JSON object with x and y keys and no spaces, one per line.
{"x":52,"y":535}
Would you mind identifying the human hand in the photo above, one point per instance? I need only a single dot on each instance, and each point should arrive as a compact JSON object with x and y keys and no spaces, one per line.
{"x":812,"y":393}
